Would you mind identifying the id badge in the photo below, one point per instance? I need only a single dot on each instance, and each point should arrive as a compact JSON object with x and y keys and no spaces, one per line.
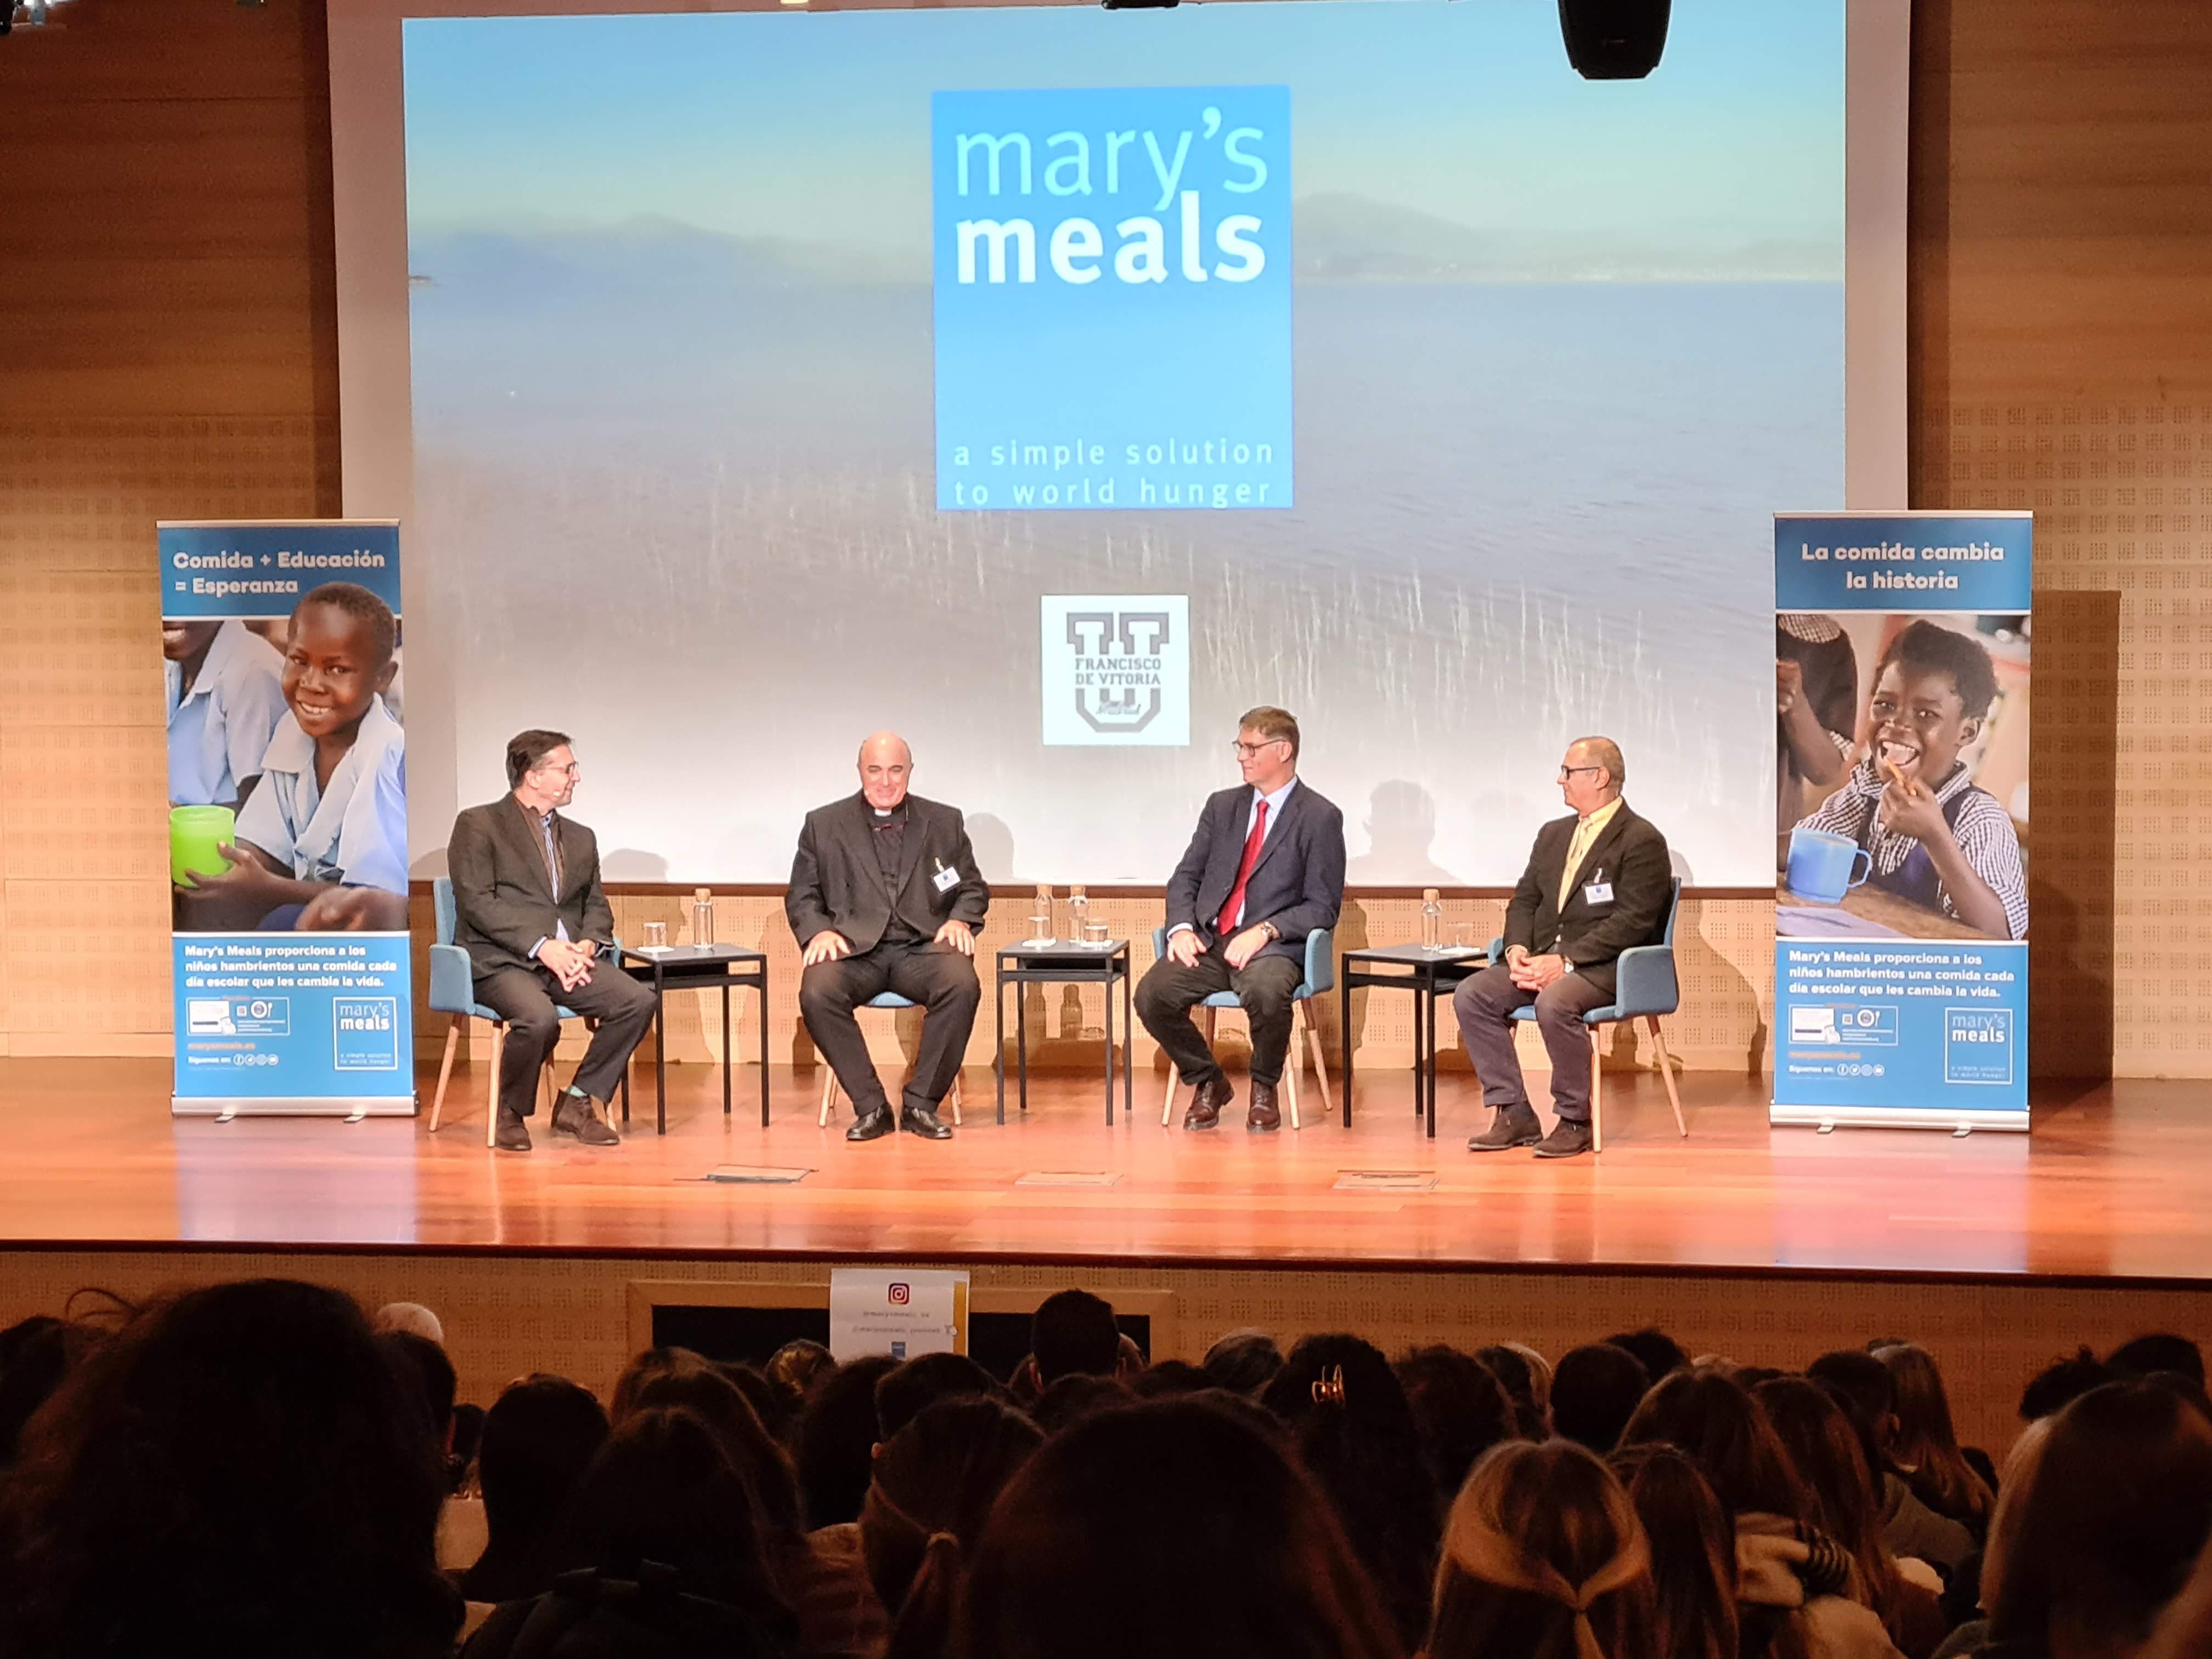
{"x":945,"y":880}
{"x":1598,"y":892}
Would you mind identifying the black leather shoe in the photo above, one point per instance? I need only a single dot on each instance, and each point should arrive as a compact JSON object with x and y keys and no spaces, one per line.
{"x":1566,"y":1139}
{"x":509,"y":1133}
{"x":871,"y":1126}
{"x":1514,"y":1126}
{"x":923,"y":1120}
{"x":1206,"y":1101}
{"x":1264,"y":1114}
{"x":573,"y":1116}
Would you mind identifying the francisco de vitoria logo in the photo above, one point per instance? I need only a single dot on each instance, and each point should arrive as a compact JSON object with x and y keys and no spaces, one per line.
{"x":1115,"y":669}
{"x":1113,"y":298}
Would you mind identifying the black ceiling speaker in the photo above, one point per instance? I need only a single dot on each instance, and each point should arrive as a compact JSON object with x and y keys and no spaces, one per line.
{"x":1613,"y":40}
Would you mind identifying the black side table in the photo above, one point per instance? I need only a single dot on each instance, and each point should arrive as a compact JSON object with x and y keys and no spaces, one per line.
{"x":696,"y":968}
{"x":1428,"y":975}
{"x":1083,"y":964}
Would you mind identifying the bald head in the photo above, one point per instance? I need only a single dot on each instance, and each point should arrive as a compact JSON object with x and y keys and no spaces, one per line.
{"x":1592,"y":774}
{"x":886,"y":766}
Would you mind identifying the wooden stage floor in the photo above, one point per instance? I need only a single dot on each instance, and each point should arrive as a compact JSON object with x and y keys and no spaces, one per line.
{"x":2110,"y":1184}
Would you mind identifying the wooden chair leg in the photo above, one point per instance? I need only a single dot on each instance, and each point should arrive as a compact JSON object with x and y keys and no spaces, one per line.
{"x":828,"y":1095}
{"x":491,"y":1093}
{"x":1666,"y":1071}
{"x":1297,"y":1058}
{"x":1597,"y":1085}
{"x":1167,"y":1104}
{"x":955,"y":1098}
{"x":1319,"y":1059}
{"x":446,"y":1068}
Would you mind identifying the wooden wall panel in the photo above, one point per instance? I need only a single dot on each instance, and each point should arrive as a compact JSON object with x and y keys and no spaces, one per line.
{"x":167,"y":206}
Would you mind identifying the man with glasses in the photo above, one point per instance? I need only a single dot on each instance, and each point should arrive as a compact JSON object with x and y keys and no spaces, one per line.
{"x":1265,"y":869}
{"x":1597,"y":883}
{"x":535,"y":922}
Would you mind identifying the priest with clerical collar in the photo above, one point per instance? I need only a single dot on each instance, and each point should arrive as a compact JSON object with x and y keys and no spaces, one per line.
{"x":885,"y":895}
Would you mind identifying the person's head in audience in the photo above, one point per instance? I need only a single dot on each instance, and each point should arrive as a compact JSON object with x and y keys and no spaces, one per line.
{"x":1169,"y":1377}
{"x":1076,"y":1396}
{"x":425,"y":1361}
{"x":793,"y":1369}
{"x":1710,"y":1419}
{"x":2020,"y":1467}
{"x":2118,"y":1506}
{"x":1927,"y":1449}
{"x":837,"y":1437}
{"x":1868,"y":1391}
{"x":35,"y":1354}
{"x":1243,"y":1361}
{"x":412,"y":1317}
{"x":1824,"y":1451}
{"x":1540,"y":1378}
{"x":1355,"y":1433}
{"x":1659,"y":1353}
{"x":1693,"y":1612}
{"x":244,"y":1470}
{"x":2062,"y":1383}
{"x":1543,"y":1558}
{"x":935,"y":1481}
{"x":1170,"y":1530}
{"x":678,"y":1379}
{"x":539,"y":1437}
{"x":909,"y":1386}
{"x":1507,"y":1363}
{"x":663,"y":1491}
{"x":1074,"y":1332}
{"x":767,"y":1405}
{"x":1460,"y":1409}
{"x":1596,"y":1390}
{"x":2159,"y":1351}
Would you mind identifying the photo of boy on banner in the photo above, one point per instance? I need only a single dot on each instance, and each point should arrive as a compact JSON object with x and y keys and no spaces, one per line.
{"x":320,"y":843}
{"x":1931,"y":784}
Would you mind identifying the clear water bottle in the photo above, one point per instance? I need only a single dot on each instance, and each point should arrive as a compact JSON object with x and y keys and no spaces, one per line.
{"x":1078,"y":914}
{"x":702,"y":916}
{"x":1432,"y":920}
{"x":1040,"y":916}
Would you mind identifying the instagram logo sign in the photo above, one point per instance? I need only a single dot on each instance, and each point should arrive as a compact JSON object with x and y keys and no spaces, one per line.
{"x":901,"y":1295}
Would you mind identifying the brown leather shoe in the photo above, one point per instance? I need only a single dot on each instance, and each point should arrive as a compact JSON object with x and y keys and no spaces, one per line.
{"x":576,"y":1115}
{"x":1263,"y":1115}
{"x":1206,"y":1101}
{"x":509,"y":1134}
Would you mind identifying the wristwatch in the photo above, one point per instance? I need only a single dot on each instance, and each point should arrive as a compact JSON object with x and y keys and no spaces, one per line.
{"x":1272,"y":931}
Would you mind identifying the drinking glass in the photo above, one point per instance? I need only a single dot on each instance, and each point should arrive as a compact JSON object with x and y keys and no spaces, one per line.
{"x":1041,"y":929}
{"x":1464,"y":936}
{"x":1095,"y":934}
{"x":656,"y":936}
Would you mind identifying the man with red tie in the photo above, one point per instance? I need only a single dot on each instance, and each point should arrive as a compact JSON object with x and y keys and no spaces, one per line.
{"x":1265,"y":869}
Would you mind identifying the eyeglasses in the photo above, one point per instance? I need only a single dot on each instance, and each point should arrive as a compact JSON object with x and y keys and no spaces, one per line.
{"x":1247,"y":751}
{"x":1566,"y":772}
{"x":569,"y":771}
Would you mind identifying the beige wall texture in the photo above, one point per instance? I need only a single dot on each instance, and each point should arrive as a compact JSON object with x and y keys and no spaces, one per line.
{"x":171,"y":353}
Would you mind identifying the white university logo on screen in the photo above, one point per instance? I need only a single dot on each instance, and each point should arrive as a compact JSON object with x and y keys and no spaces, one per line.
{"x":1115,"y":669}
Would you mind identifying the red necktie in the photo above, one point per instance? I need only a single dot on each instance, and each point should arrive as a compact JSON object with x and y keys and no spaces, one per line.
{"x":1234,"y":909}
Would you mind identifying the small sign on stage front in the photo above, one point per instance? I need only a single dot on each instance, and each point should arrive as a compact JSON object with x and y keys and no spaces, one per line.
{"x":902,"y":1312}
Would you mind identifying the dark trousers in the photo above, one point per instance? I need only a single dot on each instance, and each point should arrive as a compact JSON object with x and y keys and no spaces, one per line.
{"x":525,"y":997}
{"x":935,"y":975}
{"x":1169,"y":991}
{"x":1485,"y":1003}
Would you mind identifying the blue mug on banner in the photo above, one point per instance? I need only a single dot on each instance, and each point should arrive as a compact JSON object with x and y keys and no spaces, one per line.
{"x":1823,"y":866}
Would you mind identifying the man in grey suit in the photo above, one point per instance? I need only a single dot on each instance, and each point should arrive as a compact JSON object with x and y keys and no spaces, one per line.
{"x":534,"y":919}
{"x":885,"y":895}
{"x":1265,"y":869}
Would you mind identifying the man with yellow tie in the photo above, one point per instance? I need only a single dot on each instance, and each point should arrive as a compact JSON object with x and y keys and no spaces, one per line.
{"x":1597,"y":883}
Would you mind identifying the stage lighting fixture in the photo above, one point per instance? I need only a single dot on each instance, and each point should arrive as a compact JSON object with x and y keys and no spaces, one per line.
{"x":1613,"y":40}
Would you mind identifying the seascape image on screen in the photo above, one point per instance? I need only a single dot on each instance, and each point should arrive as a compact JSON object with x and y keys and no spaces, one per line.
{"x":1532,"y":362}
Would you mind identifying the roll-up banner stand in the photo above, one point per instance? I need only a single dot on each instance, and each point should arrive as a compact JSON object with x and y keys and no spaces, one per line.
{"x":1901,"y":646}
{"x":282,"y":654}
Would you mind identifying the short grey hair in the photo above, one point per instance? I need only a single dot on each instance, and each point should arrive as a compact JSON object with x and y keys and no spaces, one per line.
{"x":1605,"y":752}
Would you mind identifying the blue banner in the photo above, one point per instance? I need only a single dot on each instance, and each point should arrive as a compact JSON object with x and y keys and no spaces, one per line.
{"x":282,"y":658}
{"x":1902,"y":656}
{"x":1112,"y":280}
